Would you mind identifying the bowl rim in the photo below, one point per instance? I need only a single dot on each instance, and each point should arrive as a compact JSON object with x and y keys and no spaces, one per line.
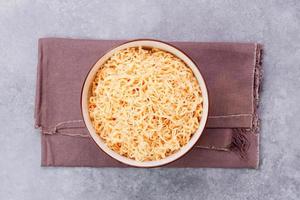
{"x":203,"y":87}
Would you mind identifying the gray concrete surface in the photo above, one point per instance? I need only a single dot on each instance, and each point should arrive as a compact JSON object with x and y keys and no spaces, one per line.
{"x":276,"y":24}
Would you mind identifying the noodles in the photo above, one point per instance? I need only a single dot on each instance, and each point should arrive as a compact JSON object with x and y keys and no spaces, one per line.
{"x":145,"y":103}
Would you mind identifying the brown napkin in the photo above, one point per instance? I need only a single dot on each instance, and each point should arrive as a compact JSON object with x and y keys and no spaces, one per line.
{"x":232,"y":72}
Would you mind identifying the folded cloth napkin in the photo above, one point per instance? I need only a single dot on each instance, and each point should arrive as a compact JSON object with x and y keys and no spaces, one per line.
{"x":232,"y":72}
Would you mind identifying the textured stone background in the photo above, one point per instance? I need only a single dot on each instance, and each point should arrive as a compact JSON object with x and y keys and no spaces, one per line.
{"x":276,"y":24}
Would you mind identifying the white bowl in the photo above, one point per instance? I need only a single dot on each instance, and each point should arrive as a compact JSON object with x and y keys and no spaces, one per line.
{"x":86,"y":93}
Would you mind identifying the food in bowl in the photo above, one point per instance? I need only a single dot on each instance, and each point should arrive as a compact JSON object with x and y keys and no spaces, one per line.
{"x":145,"y":103}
